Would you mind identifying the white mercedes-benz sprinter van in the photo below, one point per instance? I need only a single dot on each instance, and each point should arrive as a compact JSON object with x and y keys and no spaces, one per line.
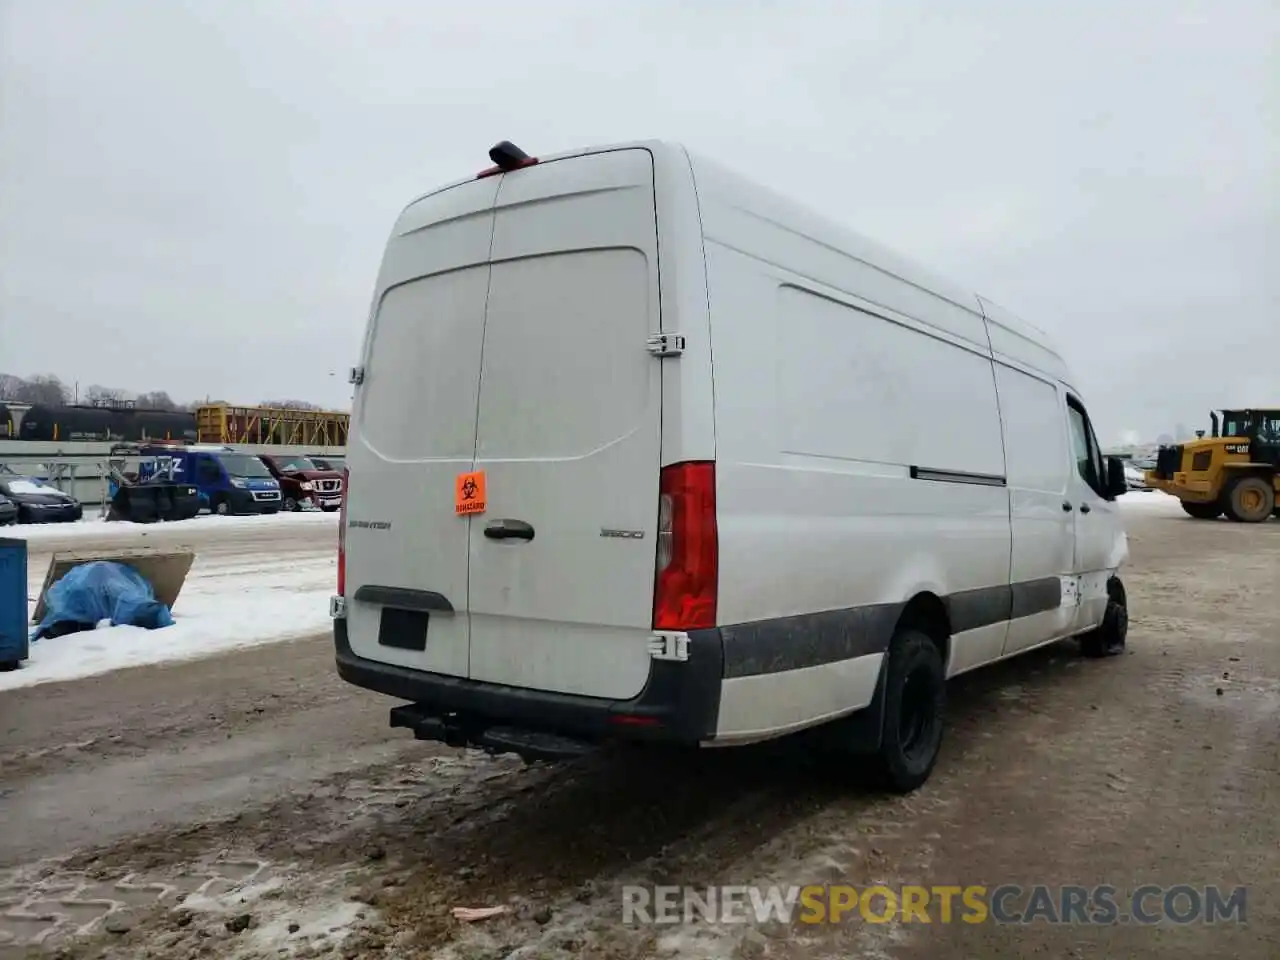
{"x":643,"y":451}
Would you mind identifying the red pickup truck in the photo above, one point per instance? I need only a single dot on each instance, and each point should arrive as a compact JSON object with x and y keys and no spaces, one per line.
{"x":303,"y":485}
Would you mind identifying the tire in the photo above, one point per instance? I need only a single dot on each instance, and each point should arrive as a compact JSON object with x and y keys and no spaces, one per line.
{"x":1201,"y":511}
{"x":915,"y":694}
{"x":1250,"y":499}
{"x":290,"y":505}
{"x":221,"y":507}
{"x":1110,"y":637}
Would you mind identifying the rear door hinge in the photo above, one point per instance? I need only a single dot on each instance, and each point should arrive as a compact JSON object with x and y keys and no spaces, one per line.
{"x":666,"y":344}
{"x":356,"y":376}
{"x":669,"y":646}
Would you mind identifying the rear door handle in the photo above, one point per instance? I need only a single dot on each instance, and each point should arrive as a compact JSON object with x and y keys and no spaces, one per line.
{"x":508,"y":530}
{"x":1085,"y":508}
{"x":1066,"y":507}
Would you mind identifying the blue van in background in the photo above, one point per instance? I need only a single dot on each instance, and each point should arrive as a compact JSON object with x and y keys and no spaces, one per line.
{"x":228,"y":481}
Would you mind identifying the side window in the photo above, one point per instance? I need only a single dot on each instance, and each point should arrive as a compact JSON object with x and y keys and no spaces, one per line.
{"x":1095,"y":457}
{"x":1079,"y":441}
{"x":209,"y":471}
{"x":1084,"y":447}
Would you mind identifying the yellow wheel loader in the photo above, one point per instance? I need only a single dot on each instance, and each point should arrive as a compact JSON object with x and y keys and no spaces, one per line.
{"x":1236,"y":471}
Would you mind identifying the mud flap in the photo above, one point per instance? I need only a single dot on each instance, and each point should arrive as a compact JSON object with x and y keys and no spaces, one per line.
{"x":861,"y":732}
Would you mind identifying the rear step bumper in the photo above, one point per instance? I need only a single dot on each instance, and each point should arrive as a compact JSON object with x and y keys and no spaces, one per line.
{"x":679,"y":704}
{"x":457,"y":731}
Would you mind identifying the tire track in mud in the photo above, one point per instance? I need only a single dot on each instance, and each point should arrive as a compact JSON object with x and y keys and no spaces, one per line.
{"x":65,"y":726}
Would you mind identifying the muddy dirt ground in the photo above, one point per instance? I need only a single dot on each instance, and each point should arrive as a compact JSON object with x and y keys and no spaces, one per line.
{"x":252,"y":806}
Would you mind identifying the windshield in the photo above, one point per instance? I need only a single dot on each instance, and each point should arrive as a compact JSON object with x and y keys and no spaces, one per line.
{"x":1235,"y":423}
{"x":328,"y":463}
{"x":287,"y":464}
{"x":243,"y":465}
{"x":29,"y":486}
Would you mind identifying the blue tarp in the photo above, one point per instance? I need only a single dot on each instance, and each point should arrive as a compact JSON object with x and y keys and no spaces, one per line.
{"x":102,"y":590}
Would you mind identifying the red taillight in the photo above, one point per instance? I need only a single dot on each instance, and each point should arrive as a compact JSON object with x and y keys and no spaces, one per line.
{"x":684,"y":592}
{"x":342,"y":533}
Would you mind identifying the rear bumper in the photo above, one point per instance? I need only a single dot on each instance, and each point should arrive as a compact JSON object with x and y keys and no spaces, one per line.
{"x":679,"y":704}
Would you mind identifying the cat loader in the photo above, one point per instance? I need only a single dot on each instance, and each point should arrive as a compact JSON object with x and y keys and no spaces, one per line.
{"x":1235,"y":472}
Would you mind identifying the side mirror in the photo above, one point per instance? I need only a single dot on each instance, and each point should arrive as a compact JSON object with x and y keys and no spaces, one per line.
{"x":1115,"y":484}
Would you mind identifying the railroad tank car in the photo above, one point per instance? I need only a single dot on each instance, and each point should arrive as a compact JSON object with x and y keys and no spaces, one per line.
{"x":163,"y":425}
{"x":105,"y":424}
{"x":70,"y":423}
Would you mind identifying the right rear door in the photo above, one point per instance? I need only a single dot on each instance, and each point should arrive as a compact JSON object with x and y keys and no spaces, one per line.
{"x":568,"y":436}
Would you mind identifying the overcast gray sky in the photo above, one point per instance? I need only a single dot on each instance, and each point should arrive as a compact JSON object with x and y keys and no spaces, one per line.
{"x":194,"y":195}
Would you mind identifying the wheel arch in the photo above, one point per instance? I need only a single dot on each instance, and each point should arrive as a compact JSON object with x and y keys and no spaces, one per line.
{"x":928,"y":613}
{"x":924,"y":611}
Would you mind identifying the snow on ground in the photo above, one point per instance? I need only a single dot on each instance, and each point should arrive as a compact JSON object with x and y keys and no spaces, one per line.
{"x":227,"y":602}
{"x":1150,"y":501}
{"x":97,"y":528}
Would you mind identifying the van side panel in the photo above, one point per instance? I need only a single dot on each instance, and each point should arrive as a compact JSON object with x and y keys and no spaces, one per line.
{"x":826,"y":402}
{"x":1014,"y":339}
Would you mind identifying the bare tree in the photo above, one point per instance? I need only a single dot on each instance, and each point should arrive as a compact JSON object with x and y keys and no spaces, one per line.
{"x":291,"y":405}
{"x":45,"y":389}
{"x":96,"y":394}
{"x":11,"y":387}
{"x":156,"y":400}
{"x":48,"y":390}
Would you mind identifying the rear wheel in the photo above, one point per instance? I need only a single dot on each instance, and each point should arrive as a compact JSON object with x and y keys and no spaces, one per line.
{"x":914,"y":707}
{"x":1250,"y":499}
{"x":1201,"y":511}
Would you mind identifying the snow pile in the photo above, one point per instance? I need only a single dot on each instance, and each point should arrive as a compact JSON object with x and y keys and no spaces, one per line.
{"x":1150,"y":501}
{"x":226,"y":604}
{"x":97,"y":528}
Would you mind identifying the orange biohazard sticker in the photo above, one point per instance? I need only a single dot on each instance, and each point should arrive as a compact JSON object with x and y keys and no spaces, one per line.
{"x":469,"y":493}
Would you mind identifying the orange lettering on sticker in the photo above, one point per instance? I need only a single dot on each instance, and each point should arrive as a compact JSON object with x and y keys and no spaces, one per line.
{"x":469,"y":493}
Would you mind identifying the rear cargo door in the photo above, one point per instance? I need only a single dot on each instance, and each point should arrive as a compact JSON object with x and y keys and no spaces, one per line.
{"x":562,"y":558}
{"x":415,"y":422}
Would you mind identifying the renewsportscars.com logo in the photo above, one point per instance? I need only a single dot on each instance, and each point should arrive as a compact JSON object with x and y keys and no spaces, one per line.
{"x":1149,"y":904}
